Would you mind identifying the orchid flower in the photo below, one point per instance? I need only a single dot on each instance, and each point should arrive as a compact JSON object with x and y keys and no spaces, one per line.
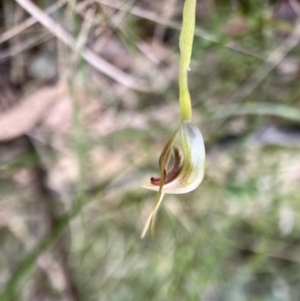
{"x":188,"y":167}
{"x":189,"y":156}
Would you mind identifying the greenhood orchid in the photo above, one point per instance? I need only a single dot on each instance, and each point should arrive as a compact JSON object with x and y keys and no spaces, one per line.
{"x":188,"y":168}
{"x":189,"y":156}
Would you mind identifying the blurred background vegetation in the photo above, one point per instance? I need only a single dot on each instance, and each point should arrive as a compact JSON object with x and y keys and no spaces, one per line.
{"x":88,"y":97}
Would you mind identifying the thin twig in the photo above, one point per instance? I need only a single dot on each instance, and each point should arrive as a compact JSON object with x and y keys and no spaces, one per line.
{"x":29,"y":22}
{"x":88,"y":55}
{"x":84,"y":32}
{"x":45,"y":36}
{"x":274,"y":58}
{"x":160,"y":29}
{"x":296,"y":7}
{"x":200,"y":32}
{"x":115,"y":22}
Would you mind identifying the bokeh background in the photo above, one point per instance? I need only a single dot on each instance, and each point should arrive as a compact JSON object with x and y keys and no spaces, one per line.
{"x":88,"y":99}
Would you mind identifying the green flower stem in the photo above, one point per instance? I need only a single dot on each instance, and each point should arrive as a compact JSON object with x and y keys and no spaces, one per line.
{"x":188,"y":168}
{"x":186,"y":46}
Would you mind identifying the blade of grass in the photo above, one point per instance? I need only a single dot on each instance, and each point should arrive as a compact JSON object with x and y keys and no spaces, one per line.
{"x":265,"y":109}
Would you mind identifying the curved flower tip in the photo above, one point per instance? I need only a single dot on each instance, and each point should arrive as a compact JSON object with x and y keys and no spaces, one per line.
{"x":189,"y":162}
